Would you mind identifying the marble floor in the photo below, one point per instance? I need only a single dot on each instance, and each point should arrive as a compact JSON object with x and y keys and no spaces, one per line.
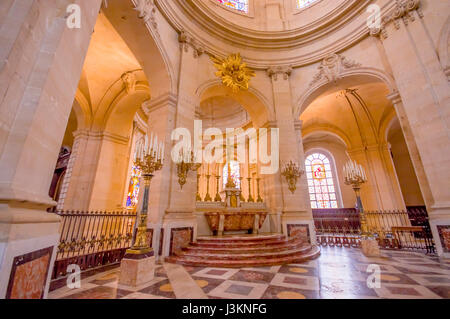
{"x":338,"y":273}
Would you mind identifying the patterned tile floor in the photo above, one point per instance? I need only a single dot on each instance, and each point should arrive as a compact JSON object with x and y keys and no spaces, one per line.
{"x":338,"y":273}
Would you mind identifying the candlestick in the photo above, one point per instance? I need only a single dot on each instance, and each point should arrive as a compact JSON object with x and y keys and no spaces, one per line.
{"x":250,"y":197}
{"x":208,"y":196}
{"x":217,"y":198}
{"x":259,"y":200}
{"x":148,"y":164}
{"x":355,"y":176}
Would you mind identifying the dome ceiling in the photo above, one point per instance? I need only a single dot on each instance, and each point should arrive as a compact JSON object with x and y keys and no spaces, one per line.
{"x":222,"y":112}
{"x":301,"y":35}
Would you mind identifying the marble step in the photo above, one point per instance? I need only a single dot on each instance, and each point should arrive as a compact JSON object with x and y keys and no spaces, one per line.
{"x":313,"y":252}
{"x":240,"y":244}
{"x":240,"y":238}
{"x":291,"y":244}
{"x":245,"y":256}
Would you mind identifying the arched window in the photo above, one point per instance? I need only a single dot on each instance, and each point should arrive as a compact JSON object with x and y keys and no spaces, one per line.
{"x":304,"y":3}
{"x":240,"y":5}
{"x":235,"y":174}
{"x":322,"y":189}
{"x":133,"y":188}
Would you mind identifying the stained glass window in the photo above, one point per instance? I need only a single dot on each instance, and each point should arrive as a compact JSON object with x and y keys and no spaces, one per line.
{"x":235,"y":173}
{"x":304,"y":3}
{"x":322,"y":191}
{"x":240,"y":5}
{"x":133,"y":188}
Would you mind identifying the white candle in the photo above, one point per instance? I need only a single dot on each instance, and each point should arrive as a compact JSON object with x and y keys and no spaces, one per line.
{"x":151,"y":142}
{"x":162,"y":152}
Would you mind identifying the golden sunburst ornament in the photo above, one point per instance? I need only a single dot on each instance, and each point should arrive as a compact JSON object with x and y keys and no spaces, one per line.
{"x":233,"y":72}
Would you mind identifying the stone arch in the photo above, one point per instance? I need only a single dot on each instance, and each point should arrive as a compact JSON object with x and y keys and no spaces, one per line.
{"x":119,"y":105}
{"x":346,"y":78}
{"x":253,"y":101}
{"x":331,"y":130}
{"x":145,"y":44}
{"x":82,"y":110}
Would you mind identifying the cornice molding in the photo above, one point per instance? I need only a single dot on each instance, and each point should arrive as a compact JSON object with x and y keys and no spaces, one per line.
{"x":168,"y":99}
{"x":194,"y":17}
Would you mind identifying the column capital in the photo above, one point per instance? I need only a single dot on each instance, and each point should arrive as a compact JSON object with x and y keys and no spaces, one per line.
{"x":285,"y":71}
{"x":186,"y":41}
{"x":403,"y":10}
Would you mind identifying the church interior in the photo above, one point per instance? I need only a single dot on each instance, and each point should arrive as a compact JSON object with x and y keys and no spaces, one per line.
{"x":225,"y":149}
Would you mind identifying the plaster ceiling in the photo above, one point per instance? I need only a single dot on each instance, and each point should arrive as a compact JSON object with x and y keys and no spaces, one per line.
{"x":107,"y":59}
{"x":358,"y":125}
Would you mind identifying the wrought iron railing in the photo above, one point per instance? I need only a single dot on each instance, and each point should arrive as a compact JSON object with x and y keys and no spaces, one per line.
{"x":392,"y":229}
{"x":92,"y":239}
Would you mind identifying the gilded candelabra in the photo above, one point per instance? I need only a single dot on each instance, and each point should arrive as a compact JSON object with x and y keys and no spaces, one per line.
{"x":208,"y":197}
{"x":230,"y":180}
{"x":198,"y":197}
{"x":250,"y":197}
{"x":149,"y":158}
{"x":259,"y":200}
{"x":217,"y":198}
{"x":187,"y":164}
{"x":355,"y":176}
{"x":292,"y":172}
{"x":241,"y":196}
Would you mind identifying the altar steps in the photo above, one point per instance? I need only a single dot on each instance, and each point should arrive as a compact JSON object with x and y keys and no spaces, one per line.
{"x":243,"y":251}
{"x":223,"y":249}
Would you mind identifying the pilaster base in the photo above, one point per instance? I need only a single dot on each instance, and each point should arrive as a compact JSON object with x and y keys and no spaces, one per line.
{"x":369,"y":247}
{"x":137,"y":269}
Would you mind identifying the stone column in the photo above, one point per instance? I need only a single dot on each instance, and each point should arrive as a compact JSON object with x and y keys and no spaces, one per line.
{"x":295,"y":207}
{"x":39,"y":80}
{"x":382,"y":191}
{"x":162,"y":108}
{"x":425,"y":93}
{"x":176,"y":213}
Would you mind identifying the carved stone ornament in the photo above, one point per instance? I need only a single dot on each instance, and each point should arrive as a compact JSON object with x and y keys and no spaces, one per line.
{"x":147,"y":11}
{"x":234,"y":73}
{"x":403,"y":10}
{"x":187,"y":41}
{"x":129,"y":80}
{"x":332,"y":68}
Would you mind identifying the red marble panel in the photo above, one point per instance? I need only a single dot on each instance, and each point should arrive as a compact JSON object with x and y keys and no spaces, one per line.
{"x":180,"y":238}
{"x":299,"y":231}
{"x":247,"y":221}
{"x":29,"y":275}
{"x":213,"y":220}
{"x":444,"y":235}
